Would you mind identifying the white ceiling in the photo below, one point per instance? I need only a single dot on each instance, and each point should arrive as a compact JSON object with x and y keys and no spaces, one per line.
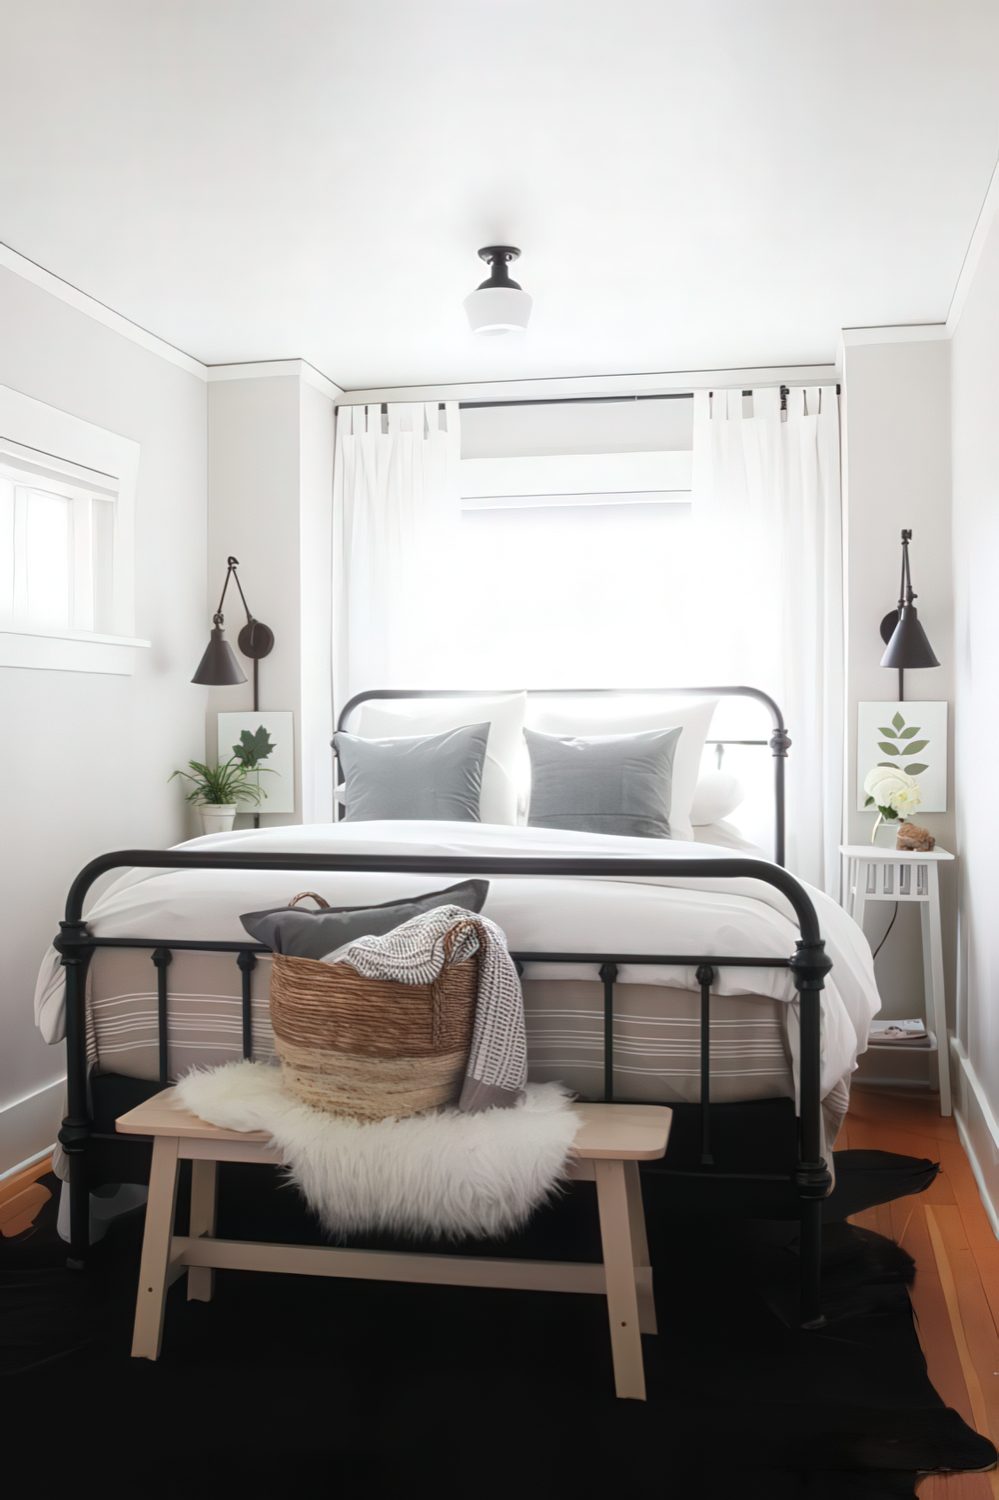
{"x":694,"y":185}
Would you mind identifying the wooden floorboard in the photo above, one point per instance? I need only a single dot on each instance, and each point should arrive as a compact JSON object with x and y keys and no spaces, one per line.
{"x":955,"y":1293}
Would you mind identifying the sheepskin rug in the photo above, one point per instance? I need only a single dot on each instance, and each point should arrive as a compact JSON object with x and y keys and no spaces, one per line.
{"x":443,"y":1173}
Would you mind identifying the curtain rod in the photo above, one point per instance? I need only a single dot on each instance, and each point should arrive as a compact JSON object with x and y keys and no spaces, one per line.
{"x":590,"y":400}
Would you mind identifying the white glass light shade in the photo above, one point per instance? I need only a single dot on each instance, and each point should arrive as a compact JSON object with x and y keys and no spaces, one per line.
{"x":498,"y":309}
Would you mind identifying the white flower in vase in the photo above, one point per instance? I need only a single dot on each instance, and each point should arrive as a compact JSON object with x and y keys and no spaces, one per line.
{"x":894,"y":793}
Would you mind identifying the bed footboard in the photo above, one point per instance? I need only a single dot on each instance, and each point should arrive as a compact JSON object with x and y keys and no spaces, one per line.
{"x":809,"y":964}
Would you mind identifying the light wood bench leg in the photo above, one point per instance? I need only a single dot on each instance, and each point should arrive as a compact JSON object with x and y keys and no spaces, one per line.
{"x":619,"y":1270}
{"x":155,"y":1265}
{"x":204,"y":1178}
{"x":640,"y":1247}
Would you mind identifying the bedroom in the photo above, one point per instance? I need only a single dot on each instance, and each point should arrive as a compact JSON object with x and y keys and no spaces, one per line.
{"x":753,"y":343}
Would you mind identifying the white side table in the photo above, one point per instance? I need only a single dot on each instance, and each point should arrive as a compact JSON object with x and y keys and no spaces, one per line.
{"x":880,"y":874}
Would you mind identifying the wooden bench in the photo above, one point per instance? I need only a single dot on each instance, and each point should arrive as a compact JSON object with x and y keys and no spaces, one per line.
{"x":612,"y":1140}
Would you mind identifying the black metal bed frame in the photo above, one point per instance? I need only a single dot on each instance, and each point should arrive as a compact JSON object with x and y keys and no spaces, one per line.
{"x":809,"y":1180}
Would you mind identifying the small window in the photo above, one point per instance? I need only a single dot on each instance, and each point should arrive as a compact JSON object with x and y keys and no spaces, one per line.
{"x":66,"y":541}
{"x":56,"y":550}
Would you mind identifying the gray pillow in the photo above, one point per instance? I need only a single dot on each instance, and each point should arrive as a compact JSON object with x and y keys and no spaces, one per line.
{"x":607,"y":783}
{"x":437,"y":776}
{"x":313,"y":934}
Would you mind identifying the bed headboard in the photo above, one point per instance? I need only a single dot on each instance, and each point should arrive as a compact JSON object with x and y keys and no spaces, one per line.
{"x":778,"y":743}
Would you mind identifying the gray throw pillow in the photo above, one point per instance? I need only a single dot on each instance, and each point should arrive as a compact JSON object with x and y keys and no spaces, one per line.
{"x":606,"y":783}
{"x":436,"y":776}
{"x":312,"y":934}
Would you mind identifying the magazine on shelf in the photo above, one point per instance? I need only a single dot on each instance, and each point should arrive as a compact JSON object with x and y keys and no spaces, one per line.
{"x":898,"y":1031}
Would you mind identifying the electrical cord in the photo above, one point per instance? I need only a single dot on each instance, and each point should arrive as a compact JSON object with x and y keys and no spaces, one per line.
{"x":888,"y":929}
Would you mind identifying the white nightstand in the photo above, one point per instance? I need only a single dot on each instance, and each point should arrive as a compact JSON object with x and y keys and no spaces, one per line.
{"x":879,"y":874}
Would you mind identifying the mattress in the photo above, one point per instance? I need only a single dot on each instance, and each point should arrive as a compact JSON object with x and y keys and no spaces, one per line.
{"x":754,"y":1030}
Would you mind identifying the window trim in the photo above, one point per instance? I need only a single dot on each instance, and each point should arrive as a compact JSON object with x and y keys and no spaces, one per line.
{"x":39,"y":433}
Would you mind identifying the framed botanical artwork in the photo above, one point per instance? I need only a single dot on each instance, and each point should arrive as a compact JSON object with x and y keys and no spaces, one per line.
{"x":265,"y":742}
{"x":910,"y":736}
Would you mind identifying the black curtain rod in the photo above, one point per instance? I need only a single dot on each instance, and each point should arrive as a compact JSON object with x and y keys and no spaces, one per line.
{"x":785,"y":391}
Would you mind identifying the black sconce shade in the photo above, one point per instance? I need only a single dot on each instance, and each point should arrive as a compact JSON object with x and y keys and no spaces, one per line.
{"x":219,"y":667}
{"x":907,"y":645}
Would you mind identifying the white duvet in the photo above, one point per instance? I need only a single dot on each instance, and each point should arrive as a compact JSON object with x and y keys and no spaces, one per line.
{"x":540,"y":913}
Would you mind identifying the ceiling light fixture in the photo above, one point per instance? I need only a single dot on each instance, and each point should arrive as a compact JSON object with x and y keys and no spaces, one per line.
{"x":498,"y":305}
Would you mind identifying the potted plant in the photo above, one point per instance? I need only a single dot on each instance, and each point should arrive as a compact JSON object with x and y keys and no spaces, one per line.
{"x":217,"y":791}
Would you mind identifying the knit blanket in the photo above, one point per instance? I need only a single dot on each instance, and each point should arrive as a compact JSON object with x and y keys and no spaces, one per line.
{"x":444,"y":1173}
{"x":415,"y":953}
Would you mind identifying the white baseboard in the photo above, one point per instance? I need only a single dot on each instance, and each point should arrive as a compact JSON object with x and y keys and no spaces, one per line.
{"x":28,"y":1127}
{"x":979,"y":1131}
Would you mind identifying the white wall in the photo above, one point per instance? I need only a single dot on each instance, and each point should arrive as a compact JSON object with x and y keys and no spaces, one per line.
{"x":975,"y":354}
{"x":270,"y":447}
{"x":896,"y":473}
{"x":86,"y":757}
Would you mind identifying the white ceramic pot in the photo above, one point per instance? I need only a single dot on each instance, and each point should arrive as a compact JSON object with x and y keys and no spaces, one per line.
{"x":217,"y":817}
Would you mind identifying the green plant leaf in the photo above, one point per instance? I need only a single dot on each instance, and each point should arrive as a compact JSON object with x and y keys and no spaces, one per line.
{"x":906,"y":734}
{"x":887,"y":748}
{"x":868,"y":801}
{"x":916,"y":768}
{"x":254,"y":746}
{"x":898,"y":722}
{"x":887,"y":732}
{"x":888,"y":813}
{"x":887,"y":765}
{"x":916,"y":745}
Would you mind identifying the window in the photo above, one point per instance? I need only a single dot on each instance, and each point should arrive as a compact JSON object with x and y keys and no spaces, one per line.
{"x":66,"y":565}
{"x":576,"y":522}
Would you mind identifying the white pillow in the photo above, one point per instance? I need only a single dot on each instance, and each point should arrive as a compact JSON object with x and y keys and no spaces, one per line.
{"x":717,"y":794}
{"x":393,"y":717}
{"x":693,"y":718}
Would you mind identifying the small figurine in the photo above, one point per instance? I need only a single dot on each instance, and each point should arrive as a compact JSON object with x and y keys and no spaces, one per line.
{"x":911,"y":836}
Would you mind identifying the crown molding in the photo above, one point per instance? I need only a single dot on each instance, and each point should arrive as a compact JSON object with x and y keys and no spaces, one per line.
{"x":272,"y":369}
{"x":645,"y":383}
{"x":895,"y":333}
{"x":29,"y":270}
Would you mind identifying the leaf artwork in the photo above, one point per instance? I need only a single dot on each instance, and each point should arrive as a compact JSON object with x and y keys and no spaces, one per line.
{"x":900,"y":740}
{"x":253,"y":747}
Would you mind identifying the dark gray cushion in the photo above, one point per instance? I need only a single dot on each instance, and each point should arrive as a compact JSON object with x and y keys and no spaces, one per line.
{"x":437,"y":776}
{"x":606,"y":783}
{"x":304,"y":933}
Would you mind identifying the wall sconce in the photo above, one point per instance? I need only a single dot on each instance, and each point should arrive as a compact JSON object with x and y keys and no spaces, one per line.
{"x":904,"y":636}
{"x":219,"y":666}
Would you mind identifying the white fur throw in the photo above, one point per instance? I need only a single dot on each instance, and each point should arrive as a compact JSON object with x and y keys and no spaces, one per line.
{"x":442,"y":1173}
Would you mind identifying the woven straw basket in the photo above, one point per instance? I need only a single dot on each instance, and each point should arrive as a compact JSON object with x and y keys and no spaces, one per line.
{"x":372,"y":1048}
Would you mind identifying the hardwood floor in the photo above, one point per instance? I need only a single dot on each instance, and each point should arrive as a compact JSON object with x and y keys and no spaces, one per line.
{"x":22,"y":1198}
{"x":956,"y":1290}
{"x":955,"y":1294}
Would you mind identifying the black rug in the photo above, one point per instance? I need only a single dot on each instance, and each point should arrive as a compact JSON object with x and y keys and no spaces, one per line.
{"x":354,"y":1384}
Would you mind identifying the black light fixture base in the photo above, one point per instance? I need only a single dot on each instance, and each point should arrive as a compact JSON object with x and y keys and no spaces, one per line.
{"x":888,"y":625}
{"x":255,"y":640}
{"x":498,"y":258}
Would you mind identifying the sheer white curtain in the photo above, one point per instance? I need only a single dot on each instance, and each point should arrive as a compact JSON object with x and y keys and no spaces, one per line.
{"x":767,"y":522}
{"x":395,"y":522}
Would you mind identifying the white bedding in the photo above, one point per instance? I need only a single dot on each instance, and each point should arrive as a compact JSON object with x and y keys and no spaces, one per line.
{"x":583,"y":915}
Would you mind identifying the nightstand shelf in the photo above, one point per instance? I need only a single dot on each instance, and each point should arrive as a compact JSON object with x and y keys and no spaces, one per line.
{"x":908,"y":876}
